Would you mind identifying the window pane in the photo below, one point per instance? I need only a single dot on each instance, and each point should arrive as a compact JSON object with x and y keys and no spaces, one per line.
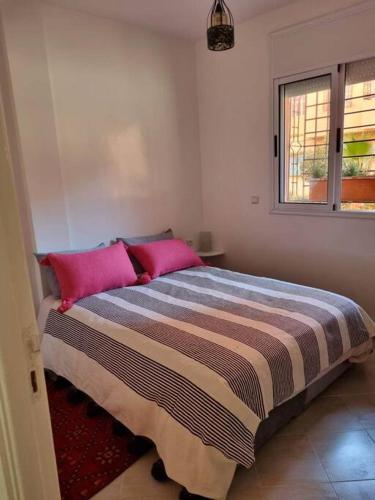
{"x":358,"y":163}
{"x":305,"y":111}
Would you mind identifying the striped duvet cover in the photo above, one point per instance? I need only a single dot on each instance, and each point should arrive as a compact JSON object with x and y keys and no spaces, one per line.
{"x":198,"y":358}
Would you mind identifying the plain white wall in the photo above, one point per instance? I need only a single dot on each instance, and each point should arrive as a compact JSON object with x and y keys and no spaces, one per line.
{"x":32,"y":134}
{"x":235,"y":104}
{"x":39,"y":155}
{"x":126,"y":113}
{"x":108,"y":122}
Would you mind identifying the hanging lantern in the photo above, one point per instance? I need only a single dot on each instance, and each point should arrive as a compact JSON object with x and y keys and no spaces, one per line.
{"x":220,"y":32}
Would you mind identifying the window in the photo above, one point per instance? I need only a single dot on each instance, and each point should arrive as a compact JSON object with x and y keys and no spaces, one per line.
{"x":325,"y":140}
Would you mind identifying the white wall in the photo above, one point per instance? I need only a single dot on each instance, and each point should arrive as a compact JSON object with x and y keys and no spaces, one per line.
{"x":127,"y":124}
{"x":30,"y":85}
{"x":31,"y":131}
{"x":108,"y":122}
{"x":235,"y":104}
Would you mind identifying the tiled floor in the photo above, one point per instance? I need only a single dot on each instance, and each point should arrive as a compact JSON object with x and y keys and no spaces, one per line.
{"x":327,"y":452}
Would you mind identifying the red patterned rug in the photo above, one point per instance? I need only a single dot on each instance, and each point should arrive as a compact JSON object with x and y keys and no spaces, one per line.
{"x":89,"y":455}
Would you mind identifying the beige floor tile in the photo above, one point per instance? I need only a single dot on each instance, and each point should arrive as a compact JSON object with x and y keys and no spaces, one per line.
{"x":357,"y":380}
{"x":112,"y":491}
{"x":245,"y":495}
{"x":288,"y":460}
{"x":138,"y":483}
{"x":296,"y":446}
{"x":363,"y":407}
{"x":348,"y":456}
{"x":355,"y":490}
{"x":291,"y":470}
{"x":152,"y":497}
{"x":324,"y":416}
{"x":141,"y":496}
{"x":305,"y":491}
{"x":246,"y":484}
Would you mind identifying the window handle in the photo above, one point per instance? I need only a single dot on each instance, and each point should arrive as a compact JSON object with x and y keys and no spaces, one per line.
{"x":338,"y":140}
{"x":275,"y":146}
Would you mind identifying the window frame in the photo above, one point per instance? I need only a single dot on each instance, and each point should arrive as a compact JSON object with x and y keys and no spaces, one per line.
{"x":337,"y":108}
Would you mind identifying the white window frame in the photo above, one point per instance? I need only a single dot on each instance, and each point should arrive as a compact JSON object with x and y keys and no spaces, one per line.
{"x":333,"y":205}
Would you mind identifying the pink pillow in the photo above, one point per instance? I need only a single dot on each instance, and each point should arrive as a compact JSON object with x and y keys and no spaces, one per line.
{"x":165,"y":256}
{"x":87,"y":273}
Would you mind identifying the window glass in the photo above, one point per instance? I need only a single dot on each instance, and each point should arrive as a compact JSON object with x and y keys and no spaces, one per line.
{"x":358,"y":157}
{"x":305,"y":121}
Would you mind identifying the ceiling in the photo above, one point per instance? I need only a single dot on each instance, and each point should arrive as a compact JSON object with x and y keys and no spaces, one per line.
{"x":184,"y":18}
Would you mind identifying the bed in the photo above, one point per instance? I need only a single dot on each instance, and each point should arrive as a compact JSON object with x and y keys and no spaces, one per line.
{"x":199,"y":359}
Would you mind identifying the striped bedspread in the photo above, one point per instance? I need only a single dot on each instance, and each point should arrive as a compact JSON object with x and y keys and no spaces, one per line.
{"x":211,"y":352}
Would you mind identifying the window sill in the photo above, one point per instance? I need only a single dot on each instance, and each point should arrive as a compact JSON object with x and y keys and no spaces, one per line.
{"x":310,"y":213}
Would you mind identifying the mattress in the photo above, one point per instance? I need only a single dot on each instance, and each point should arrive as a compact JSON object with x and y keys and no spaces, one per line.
{"x":197,"y":359}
